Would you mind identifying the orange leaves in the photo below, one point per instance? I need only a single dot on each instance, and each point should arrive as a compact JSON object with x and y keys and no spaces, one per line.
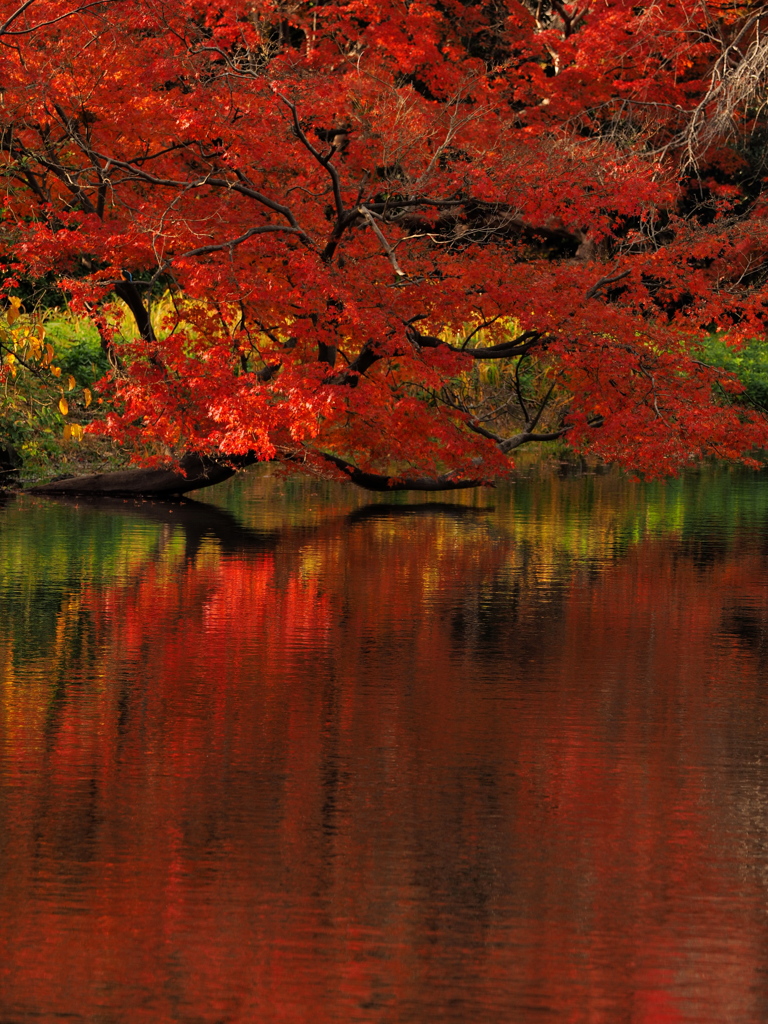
{"x":13,"y":313}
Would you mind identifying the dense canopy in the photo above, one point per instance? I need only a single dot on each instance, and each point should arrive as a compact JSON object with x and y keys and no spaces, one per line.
{"x":405,"y":237}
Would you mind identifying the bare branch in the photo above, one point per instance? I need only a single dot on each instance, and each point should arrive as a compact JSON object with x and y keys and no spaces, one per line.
{"x":533,"y":423}
{"x":385,"y":244}
{"x":478,"y":428}
{"x":733,"y":85}
{"x":211,"y":182}
{"x":16,"y":14}
{"x":324,"y":161}
{"x":527,"y":436}
{"x":506,"y":350}
{"x":519,"y":390}
{"x":598,"y":286}
{"x":480,"y":327}
{"x":369,"y":355}
{"x":203,"y":250}
{"x":44,"y":24}
{"x":379,"y":482}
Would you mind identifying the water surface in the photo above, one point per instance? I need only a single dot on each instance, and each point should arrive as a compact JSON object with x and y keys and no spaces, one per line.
{"x":289,"y":755}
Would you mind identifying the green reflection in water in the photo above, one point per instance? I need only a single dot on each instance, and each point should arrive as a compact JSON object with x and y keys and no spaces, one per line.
{"x":49,"y":548}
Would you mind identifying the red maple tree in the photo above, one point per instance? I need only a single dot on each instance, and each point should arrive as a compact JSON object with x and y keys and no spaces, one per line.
{"x":398,"y":241}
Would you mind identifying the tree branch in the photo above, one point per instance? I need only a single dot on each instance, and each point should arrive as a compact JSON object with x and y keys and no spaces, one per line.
{"x":203,"y":250}
{"x":379,"y":482}
{"x":527,"y":436}
{"x":507,"y":349}
{"x":129,"y":293}
{"x":197,"y":471}
{"x":531,"y":425}
{"x":44,"y":24}
{"x":598,"y":286}
{"x":324,"y":161}
{"x":385,"y":244}
{"x":211,"y":182}
{"x":194,"y":471}
{"x":16,"y":14}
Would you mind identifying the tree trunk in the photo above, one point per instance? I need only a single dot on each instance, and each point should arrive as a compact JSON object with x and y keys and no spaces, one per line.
{"x":194,"y":471}
{"x":197,"y":471}
{"x":10,"y":464}
{"x":379,"y":482}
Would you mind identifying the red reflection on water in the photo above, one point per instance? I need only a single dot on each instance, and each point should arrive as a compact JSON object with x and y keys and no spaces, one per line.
{"x":391,"y":771}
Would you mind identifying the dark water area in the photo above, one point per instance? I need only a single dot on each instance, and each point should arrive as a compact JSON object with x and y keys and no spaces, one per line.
{"x":289,"y":755}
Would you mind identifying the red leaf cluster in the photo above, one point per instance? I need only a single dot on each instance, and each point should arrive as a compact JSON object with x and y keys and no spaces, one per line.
{"x":326,"y":219}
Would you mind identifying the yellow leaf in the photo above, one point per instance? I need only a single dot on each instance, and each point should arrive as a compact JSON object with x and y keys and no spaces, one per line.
{"x":48,"y":354}
{"x":13,"y":313}
{"x":40,"y":331}
{"x":87,"y":397}
{"x":56,"y":371}
{"x":63,"y":406}
{"x":77,"y":431}
{"x":67,"y":432}
{"x":70,"y":382}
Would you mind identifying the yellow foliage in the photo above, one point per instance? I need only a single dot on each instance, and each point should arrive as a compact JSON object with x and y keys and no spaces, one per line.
{"x":14,"y":312}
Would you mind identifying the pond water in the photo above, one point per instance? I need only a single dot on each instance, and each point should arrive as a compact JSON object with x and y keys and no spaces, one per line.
{"x":290,"y":754}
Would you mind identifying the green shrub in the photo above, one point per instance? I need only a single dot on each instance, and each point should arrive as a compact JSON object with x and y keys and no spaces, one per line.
{"x":749,"y":364}
{"x":78,"y":349}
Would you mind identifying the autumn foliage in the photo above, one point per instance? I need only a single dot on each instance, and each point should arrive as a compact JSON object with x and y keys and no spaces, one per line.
{"x":410,"y":236}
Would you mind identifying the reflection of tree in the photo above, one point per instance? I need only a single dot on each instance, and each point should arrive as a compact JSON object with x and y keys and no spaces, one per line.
{"x":401,"y":752}
{"x":198,"y":520}
{"x":450,"y":510}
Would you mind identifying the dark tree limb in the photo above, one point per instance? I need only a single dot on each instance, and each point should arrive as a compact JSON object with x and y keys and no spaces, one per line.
{"x":207,"y":181}
{"x":323,"y":160}
{"x":597,"y":287}
{"x":16,"y":14}
{"x":129,"y":293}
{"x":379,"y":482}
{"x":194,"y":472}
{"x":327,"y":353}
{"x":265,"y":229}
{"x":505,"y":350}
{"x":384,"y":243}
{"x":197,"y":471}
{"x":5,"y":31}
{"x":369,"y":355}
{"x":527,"y":436}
